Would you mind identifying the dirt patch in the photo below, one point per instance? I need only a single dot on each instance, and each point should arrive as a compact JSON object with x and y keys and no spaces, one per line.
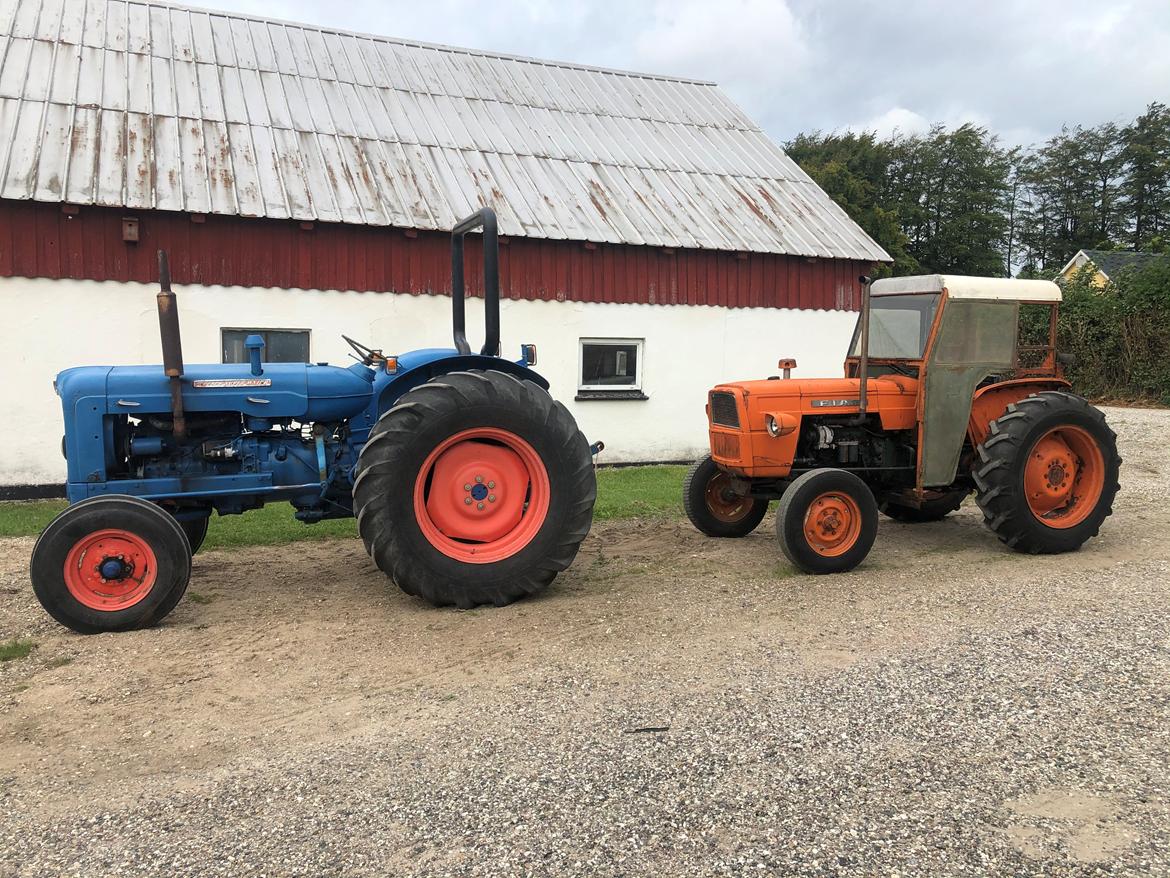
{"x":774,"y":686}
{"x":1086,"y":823}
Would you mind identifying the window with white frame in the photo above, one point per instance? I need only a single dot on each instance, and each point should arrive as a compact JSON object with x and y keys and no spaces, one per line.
{"x":280,"y":345}
{"x":610,"y":364}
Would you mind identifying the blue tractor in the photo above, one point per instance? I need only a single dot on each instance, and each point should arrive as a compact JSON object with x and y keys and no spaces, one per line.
{"x":470,"y":484}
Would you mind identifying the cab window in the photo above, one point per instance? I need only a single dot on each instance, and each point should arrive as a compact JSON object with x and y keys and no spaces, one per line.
{"x":899,"y":326}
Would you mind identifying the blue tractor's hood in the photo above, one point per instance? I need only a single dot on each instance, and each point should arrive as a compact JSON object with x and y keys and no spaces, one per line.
{"x":303,"y":391}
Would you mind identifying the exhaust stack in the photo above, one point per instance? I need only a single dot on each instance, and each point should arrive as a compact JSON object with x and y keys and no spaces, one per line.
{"x":863,"y":360}
{"x":172,"y":345}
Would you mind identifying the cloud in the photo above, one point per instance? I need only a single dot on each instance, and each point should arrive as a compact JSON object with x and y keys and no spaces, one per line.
{"x":900,"y":120}
{"x":730,"y":41}
{"x":896,"y":120}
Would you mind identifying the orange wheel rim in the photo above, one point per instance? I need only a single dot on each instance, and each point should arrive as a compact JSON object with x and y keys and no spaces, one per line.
{"x":110,"y":570}
{"x":1064,"y":476}
{"x":832,"y":524}
{"x":724,"y":503}
{"x":481,"y":495}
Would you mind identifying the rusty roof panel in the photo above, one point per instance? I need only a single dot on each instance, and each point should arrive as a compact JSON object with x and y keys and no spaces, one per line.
{"x":145,"y":104}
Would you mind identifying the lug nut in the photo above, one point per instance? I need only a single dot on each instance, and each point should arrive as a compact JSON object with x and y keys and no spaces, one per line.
{"x":491,"y":484}
{"x":467,"y":487}
{"x":467,"y":500}
{"x":479,"y":506}
{"x":479,"y":478}
{"x":491,"y":498}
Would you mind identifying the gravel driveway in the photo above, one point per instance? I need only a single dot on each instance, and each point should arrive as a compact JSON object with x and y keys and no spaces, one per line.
{"x":674,"y":706}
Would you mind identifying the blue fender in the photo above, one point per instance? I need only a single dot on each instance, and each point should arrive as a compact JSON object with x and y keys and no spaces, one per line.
{"x":422,"y":366}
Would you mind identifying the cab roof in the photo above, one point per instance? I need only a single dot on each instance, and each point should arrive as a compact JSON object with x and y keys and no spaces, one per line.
{"x":960,"y":286}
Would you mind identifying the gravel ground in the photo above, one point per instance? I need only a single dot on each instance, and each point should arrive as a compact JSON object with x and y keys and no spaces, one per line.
{"x":675,"y":705}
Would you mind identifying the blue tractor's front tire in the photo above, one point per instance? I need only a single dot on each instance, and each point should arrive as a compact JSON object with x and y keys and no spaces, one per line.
{"x":110,"y":563}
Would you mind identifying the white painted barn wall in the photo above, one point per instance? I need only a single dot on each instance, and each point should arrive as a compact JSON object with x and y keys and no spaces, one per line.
{"x":49,"y":325}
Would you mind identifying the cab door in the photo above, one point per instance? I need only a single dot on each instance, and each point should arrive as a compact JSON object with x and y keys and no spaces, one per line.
{"x":974,"y":340}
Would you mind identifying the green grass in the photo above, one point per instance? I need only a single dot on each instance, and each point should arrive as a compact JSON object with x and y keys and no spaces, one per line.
{"x":629,"y":492}
{"x":29,"y":518}
{"x":638,"y":491}
{"x":272,"y":526}
{"x":17,"y":648}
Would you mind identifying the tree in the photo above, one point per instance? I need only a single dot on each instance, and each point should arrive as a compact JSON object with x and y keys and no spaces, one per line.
{"x":1147,"y":185}
{"x":950,"y":189}
{"x":853,"y":170}
{"x":958,"y":201}
{"x":1101,"y":164}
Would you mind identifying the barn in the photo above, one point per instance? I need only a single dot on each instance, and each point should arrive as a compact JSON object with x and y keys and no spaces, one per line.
{"x":304,"y":182}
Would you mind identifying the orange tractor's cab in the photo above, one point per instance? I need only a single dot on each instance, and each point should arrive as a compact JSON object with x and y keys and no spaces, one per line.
{"x":951,"y":385}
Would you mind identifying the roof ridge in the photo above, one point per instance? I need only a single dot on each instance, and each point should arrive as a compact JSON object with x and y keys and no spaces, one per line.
{"x":422,"y":44}
{"x":1095,"y":254}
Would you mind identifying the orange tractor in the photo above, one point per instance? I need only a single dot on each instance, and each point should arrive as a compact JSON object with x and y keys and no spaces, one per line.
{"x":952,"y":385}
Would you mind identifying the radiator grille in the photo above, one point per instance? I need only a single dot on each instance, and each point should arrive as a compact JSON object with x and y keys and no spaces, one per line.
{"x":725,"y":446}
{"x":723,"y":410}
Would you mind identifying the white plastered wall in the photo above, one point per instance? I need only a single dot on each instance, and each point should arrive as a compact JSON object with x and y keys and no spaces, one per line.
{"x":49,"y":325}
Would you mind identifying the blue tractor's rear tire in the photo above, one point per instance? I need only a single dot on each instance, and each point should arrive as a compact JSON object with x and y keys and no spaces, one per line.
{"x":110,"y":564}
{"x":419,"y":515}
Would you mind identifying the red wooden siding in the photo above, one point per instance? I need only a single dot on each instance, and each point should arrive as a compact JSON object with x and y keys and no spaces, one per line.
{"x":40,"y":240}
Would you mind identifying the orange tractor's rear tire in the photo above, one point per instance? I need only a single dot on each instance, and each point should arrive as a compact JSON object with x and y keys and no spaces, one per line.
{"x":827,"y":521}
{"x":714,"y":507}
{"x":1047,"y":473}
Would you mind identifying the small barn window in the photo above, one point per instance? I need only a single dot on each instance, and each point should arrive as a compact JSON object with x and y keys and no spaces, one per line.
{"x":610,"y":368}
{"x":280,"y":345}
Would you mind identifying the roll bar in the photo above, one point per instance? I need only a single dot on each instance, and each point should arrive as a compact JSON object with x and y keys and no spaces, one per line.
{"x":484,"y":218}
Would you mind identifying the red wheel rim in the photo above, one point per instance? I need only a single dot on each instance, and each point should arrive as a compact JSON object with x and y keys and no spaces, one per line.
{"x":481,"y":495}
{"x":110,"y":570}
{"x":723,"y":502}
{"x":832,"y":524}
{"x":1064,"y":476}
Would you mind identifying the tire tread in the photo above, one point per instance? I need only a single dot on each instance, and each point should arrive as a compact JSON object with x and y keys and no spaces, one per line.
{"x":1005,"y":509}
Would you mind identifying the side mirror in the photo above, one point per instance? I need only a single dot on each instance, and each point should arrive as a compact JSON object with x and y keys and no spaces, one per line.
{"x":787,"y":364}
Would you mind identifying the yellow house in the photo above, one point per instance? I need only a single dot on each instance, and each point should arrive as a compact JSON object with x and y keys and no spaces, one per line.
{"x":1107,"y":264}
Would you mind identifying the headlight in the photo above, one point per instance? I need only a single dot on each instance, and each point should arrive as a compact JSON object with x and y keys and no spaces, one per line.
{"x":780,"y":423}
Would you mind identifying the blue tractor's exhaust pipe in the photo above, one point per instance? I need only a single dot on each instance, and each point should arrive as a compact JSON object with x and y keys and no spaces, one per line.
{"x":485,"y":217}
{"x":172,"y":344}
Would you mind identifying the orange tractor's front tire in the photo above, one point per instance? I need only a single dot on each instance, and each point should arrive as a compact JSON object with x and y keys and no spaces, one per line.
{"x":827,"y":521}
{"x":1047,"y":473}
{"x":714,"y":506}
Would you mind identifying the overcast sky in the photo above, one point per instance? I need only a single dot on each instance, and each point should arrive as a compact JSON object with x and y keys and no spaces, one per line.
{"x":1022,"y":68}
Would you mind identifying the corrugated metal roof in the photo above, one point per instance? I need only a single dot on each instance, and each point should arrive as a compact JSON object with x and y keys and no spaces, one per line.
{"x":144,"y":105}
